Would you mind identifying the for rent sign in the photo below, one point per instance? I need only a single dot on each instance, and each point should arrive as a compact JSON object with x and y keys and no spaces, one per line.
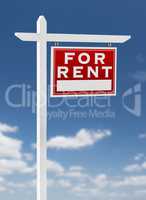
{"x":79,"y":71}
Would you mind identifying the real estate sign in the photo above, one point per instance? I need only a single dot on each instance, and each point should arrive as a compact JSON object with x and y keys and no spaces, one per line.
{"x":79,"y":71}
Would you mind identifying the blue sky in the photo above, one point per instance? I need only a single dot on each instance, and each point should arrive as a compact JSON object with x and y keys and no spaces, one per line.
{"x":95,"y":150}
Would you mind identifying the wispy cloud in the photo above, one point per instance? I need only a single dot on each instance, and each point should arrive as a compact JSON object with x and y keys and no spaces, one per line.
{"x":5,"y":128}
{"x":12,"y":166}
{"x":74,"y":179}
{"x":83,"y":138}
{"x":101,"y":181}
{"x":142,"y":136}
{"x":139,"y":180}
{"x":10,"y":147}
{"x":11,"y":152}
{"x":64,"y":183}
{"x":139,"y":156}
{"x":135,"y":167}
{"x":55,"y":167}
{"x":13,"y":160}
{"x":76,"y":172}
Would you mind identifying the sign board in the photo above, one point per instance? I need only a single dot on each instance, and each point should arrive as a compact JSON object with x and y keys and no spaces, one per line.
{"x":77,"y":71}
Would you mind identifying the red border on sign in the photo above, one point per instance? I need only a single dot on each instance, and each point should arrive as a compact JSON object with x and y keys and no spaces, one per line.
{"x":55,"y":93}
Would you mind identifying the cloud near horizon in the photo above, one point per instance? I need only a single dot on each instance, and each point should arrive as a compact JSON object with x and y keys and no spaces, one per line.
{"x":9,"y":147}
{"x":75,"y":179}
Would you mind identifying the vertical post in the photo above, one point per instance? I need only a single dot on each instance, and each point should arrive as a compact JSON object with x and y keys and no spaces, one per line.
{"x":41,"y":110}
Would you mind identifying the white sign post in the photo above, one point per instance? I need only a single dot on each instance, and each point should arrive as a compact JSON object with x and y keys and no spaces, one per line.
{"x":41,"y":38}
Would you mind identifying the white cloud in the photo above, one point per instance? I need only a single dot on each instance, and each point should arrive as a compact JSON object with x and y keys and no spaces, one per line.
{"x":143,"y":165}
{"x":29,"y":169}
{"x":139,"y":156}
{"x":10,"y":185}
{"x":28,"y":156}
{"x":64,"y":183}
{"x":140,"y":192}
{"x":55,"y":167}
{"x":76,"y":168}
{"x":10,"y":147}
{"x":139,"y":180}
{"x":12,"y":166}
{"x":76,"y":172}
{"x":135,"y":167}
{"x":14,"y":160}
{"x":73,"y":171}
{"x":2,"y":188}
{"x":142,"y":136}
{"x":79,"y":189}
{"x":82,"y":139}
{"x":11,"y":155}
{"x":101,"y":181}
{"x":5,"y":128}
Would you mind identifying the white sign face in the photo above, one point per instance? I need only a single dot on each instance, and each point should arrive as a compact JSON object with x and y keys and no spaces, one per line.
{"x":77,"y":71}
